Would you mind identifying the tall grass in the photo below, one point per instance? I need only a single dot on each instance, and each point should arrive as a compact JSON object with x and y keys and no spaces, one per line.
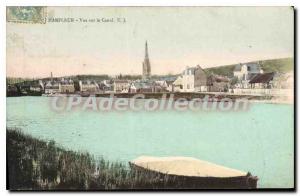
{"x":34,"y":164}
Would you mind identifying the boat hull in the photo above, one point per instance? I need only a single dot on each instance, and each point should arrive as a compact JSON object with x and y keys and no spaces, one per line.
{"x":195,"y":182}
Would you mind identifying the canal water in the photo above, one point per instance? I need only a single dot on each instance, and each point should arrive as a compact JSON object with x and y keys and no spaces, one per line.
{"x":259,"y":140}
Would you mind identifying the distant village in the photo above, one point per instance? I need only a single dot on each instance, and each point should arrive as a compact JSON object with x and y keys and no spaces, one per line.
{"x":248,"y":78}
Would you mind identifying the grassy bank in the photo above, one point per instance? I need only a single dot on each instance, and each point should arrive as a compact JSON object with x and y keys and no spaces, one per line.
{"x":33,"y":164}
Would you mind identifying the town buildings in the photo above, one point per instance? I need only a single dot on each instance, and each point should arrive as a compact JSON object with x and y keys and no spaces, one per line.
{"x":52,"y":87}
{"x":217,"y":83}
{"x":247,"y":76}
{"x":106,"y":86}
{"x":67,"y":86}
{"x":121,"y":86}
{"x":196,"y":79}
{"x":88,"y":86}
{"x":141,"y":87}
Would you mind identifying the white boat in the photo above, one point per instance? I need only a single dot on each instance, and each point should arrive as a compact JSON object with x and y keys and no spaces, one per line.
{"x":194,"y":173}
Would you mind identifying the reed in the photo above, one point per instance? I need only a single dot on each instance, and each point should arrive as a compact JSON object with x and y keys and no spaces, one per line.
{"x":34,"y":164}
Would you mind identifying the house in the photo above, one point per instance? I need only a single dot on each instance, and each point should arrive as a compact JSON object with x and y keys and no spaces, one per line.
{"x":121,"y":86}
{"x":283,"y":80}
{"x":218,"y":83}
{"x":161,"y":83}
{"x":177,"y":85}
{"x":245,"y":72}
{"x":132,"y":88}
{"x":201,"y":80}
{"x":193,"y":79}
{"x":141,"y":87}
{"x":88,"y":86}
{"x":262,"y":80}
{"x":24,"y":87}
{"x":35,"y":88}
{"x":12,"y":90}
{"x":170,"y":79}
{"x":67,"y":86}
{"x":170,"y":86}
{"x":52,"y":87}
{"x":145,"y":87}
{"x":159,"y":86}
{"x":32,"y":86}
{"x":42,"y":84}
{"x":106,"y":86}
{"x":188,"y":79}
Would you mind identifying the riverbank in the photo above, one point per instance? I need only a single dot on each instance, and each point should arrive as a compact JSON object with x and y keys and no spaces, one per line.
{"x":34,"y":164}
{"x":185,"y":95}
{"x":162,"y":95}
{"x":212,"y":96}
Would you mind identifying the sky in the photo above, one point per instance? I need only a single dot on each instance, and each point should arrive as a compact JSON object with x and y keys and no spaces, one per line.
{"x":177,"y":37}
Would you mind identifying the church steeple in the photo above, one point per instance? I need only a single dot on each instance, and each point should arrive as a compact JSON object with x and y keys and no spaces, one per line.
{"x":146,"y":51}
{"x":146,"y":64}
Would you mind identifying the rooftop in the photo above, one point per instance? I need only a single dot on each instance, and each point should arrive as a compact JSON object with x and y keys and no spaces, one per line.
{"x":262,"y":78}
{"x":121,"y":81}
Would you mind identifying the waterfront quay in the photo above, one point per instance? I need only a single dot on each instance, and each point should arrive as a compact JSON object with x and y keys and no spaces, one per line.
{"x":184,"y":95}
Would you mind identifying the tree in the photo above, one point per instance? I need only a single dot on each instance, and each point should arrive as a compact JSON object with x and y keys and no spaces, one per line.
{"x":233,"y":81}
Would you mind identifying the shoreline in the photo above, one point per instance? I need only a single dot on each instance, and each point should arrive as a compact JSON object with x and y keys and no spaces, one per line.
{"x":217,"y":96}
{"x":35,"y":164}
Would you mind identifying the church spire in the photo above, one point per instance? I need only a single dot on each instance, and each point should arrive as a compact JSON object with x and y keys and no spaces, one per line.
{"x":146,"y":64}
{"x":146,"y":50}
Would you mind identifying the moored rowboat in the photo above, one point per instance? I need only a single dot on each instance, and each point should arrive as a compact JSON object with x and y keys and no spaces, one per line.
{"x":194,"y":173}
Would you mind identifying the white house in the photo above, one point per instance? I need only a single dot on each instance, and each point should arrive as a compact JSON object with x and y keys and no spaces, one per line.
{"x":188,"y":80}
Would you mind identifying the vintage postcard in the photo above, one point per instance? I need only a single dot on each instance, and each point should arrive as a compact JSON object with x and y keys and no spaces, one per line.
{"x":150,"y":98}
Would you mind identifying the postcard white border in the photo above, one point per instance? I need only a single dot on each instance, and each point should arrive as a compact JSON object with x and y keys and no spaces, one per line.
{"x":295,"y":3}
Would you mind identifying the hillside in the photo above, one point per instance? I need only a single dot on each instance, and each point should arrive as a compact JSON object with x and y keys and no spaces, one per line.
{"x":278,"y":65}
{"x":273,"y":65}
